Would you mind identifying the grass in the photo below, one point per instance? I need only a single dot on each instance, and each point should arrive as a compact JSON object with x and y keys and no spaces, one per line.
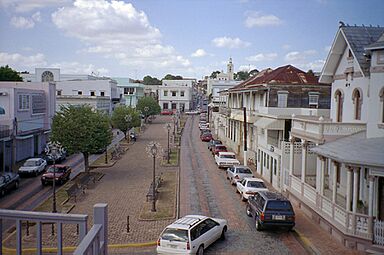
{"x":166,"y":202}
{"x":61,"y":196}
{"x":173,"y":158}
{"x":101,"y":160}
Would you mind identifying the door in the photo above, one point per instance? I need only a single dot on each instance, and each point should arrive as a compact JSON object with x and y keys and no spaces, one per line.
{"x":35,"y":145}
{"x":381,"y":199}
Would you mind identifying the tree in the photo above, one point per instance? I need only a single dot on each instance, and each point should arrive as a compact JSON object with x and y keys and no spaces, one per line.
{"x":8,"y":74}
{"x":172,"y":77}
{"x":214,"y":74}
{"x":253,"y":72}
{"x":148,"y":80}
{"x":241,"y":75}
{"x":80,"y":129}
{"x":310,"y":71}
{"x":121,"y":120}
{"x":153,"y":107}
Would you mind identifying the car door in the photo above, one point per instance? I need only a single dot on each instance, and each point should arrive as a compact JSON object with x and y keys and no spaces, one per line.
{"x":210,"y":231}
{"x":230,"y":172}
{"x":241,"y":186}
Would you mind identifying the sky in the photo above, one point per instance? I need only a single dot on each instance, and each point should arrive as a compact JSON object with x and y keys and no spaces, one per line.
{"x":191,"y":38}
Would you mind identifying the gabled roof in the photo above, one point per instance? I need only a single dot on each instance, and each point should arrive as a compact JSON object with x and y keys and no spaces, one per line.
{"x":376,"y":45}
{"x":357,"y":38}
{"x":284,"y":75}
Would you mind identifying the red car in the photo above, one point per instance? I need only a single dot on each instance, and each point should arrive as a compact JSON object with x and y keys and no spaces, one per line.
{"x":218,"y":148}
{"x":206,"y":137}
{"x":62,"y":173}
{"x":166,"y":112}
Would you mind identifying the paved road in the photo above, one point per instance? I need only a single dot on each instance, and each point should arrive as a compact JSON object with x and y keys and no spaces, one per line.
{"x":205,"y":190}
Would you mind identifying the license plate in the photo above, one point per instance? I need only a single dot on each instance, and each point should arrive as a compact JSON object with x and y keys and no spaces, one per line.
{"x":173,"y":246}
{"x":278,"y":217}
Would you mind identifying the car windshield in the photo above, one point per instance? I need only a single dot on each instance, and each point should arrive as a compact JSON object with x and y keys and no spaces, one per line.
{"x":174,"y":234}
{"x":227,"y":156}
{"x":220,"y":147}
{"x":217,"y":142}
{"x":279,"y":206}
{"x":256,"y":184}
{"x":244,"y":171}
{"x":58,"y":170}
{"x":30,"y":163}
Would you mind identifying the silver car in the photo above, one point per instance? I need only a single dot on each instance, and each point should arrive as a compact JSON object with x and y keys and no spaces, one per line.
{"x":237,"y":173}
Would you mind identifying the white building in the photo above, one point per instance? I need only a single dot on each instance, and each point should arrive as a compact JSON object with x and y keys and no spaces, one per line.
{"x":176,"y":94}
{"x":130,"y":93}
{"x":222,"y":77}
{"x":219,"y":86}
{"x":345,"y":193}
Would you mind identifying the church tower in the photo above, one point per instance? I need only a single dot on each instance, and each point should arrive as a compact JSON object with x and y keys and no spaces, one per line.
{"x":230,"y":69}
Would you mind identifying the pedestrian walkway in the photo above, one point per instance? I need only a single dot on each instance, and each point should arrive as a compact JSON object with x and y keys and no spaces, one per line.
{"x":314,"y":238}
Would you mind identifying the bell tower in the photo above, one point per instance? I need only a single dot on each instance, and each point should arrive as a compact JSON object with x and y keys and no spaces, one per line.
{"x":230,"y":69}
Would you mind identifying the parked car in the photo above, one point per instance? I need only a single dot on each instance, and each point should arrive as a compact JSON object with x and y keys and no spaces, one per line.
{"x":191,"y":235}
{"x":218,"y":148}
{"x":206,"y":137}
{"x":8,"y":181}
{"x":62,"y":174}
{"x":226,"y":159}
{"x":237,"y":173}
{"x":212,"y":143}
{"x":166,"y":112}
{"x":249,"y":187}
{"x":60,"y":158}
{"x":270,"y":209}
{"x":33,"y":166}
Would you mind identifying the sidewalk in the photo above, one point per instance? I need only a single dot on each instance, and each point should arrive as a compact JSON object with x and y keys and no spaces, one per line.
{"x":314,"y":238}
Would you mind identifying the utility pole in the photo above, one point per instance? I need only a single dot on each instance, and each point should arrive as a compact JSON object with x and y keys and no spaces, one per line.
{"x":245,"y":135}
{"x":14,"y":134}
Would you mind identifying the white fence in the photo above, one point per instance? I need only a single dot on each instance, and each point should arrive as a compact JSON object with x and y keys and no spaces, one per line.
{"x":378,"y":232}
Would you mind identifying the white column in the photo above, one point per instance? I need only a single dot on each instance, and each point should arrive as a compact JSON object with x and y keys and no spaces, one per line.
{"x":349,"y":190}
{"x":370,"y":199}
{"x":291,"y":156}
{"x":319,"y":166}
{"x":334,"y":182}
{"x":324,"y":167}
{"x":355,"y":188}
{"x":303,"y":160}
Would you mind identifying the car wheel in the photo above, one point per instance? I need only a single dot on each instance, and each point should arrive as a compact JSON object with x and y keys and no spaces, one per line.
{"x":243,"y":198}
{"x":237,"y":191}
{"x":248,"y":211}
{"x":200,"y":251}
{"x":258,"y":225}
{"x":222,"y":237}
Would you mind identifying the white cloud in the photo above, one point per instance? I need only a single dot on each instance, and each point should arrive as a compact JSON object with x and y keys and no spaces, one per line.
{"x":20,"y":62}
{"x":228,"y":42}
{"x":25,"y":23}
{"x":247,"y":68}
{"x":118,"y":30}
{"x":304,"y":60}
{"x":199,"y":53}
{"x":30,"y":5}
{"x":78,"y":68}
{"x":262,"y":57}
{"x":257,"y":19}
{"x":327,"y":48}
{"x":295,"y":56}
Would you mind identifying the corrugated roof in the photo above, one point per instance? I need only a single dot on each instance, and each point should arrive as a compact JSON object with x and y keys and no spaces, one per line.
{"x":285,"y":75}
{"x":355,"y":149}
{"x":359,"y":37}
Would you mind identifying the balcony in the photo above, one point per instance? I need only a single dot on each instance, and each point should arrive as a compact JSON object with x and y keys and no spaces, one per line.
{"x":320,"y":130}
{"x":94,"y":241}
{"x":238,"y":114}
{"x":225,"y":111}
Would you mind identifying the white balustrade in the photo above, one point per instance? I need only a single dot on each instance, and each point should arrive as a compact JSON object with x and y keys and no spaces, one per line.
{"x":340,"y":216}
{"x":296,"y":184}
{"x":326,"y":206}
{"x":310,"y":193}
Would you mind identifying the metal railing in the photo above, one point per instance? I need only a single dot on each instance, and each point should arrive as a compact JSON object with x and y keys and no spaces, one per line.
{"x":92,"y":242}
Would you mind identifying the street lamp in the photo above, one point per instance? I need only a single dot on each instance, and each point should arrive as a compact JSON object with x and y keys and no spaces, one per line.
{"x":146,"y":108}
{"x":168,"y":126}
{"x":128,"y":119}
{"x":153,"y":150}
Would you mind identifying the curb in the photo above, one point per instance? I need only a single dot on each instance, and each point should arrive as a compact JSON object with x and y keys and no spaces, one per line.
{"x":305,"y":242}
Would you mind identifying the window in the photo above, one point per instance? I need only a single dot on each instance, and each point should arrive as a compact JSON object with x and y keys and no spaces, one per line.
{"x":102,"y":93}
{"x":59,"y":92}
{"x":313,"y":99}
{"x":79,"y":92}
{"x":92,"y":93}
{"x":380,"y":57}
{"x":38,"y":103}
{"x":350,"y":55}
{"x":339,"y":105}
{"x":174,"y":106}
{"x":23,"y":102}
{"x":165,"y":106}
{"x":173,"y":93}
{"x":282,"y":99}
{"x":181,"y":93}
{"x":165,"y":93}
{"x":129,"y":91}
{"x":337,"y":172}
{"x":356,"y":97}
{"x":47,"y":76}
{"x":275,"y":167}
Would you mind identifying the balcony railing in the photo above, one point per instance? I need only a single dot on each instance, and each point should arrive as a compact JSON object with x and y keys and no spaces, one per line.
{"x":92,"y":242}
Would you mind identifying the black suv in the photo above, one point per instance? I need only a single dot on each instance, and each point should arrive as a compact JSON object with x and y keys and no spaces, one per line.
{"x":270,"y":209}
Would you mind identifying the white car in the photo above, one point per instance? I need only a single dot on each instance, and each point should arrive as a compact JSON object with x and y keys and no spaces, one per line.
{"x":33,"y":166}
{"x":249,"y":187}
{"x":237,"y":173}
{"x":226,"y":159}
{"x":191,"y":234}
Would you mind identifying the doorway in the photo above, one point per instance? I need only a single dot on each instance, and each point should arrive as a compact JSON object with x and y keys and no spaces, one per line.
{"x":381,"y":199}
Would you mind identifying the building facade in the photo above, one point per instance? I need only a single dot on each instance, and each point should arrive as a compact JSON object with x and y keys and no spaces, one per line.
{"x":221,"y":78}
{"x":130,"y":93}
{"x":176,"y":94}
{"x":25,"y":120}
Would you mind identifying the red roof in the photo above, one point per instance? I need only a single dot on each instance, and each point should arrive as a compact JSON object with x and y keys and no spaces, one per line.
{"x":285,"y":75}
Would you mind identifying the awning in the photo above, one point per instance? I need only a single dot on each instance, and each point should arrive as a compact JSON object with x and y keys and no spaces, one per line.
{"x":271,"y":124}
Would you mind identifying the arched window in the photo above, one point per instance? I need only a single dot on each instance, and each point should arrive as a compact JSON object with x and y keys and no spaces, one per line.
{"x":47,"y":76}
{"x":357,"y":101}
{"x":339,"y":105}
{"x":381,"y":94}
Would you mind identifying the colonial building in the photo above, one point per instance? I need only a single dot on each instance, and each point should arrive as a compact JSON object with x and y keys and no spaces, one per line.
{"x":176,"y":94}
{"x":26,"y":112}
{"x":269,"y":100}
{"x":335,"y":166}
{"x":225,"y":79}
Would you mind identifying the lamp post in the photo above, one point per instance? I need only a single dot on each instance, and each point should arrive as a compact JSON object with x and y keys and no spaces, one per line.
{"x":154,"y":151}
{"x":146,"y":108}
{"x":168,"y":126}
{"x":128,"y":119}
